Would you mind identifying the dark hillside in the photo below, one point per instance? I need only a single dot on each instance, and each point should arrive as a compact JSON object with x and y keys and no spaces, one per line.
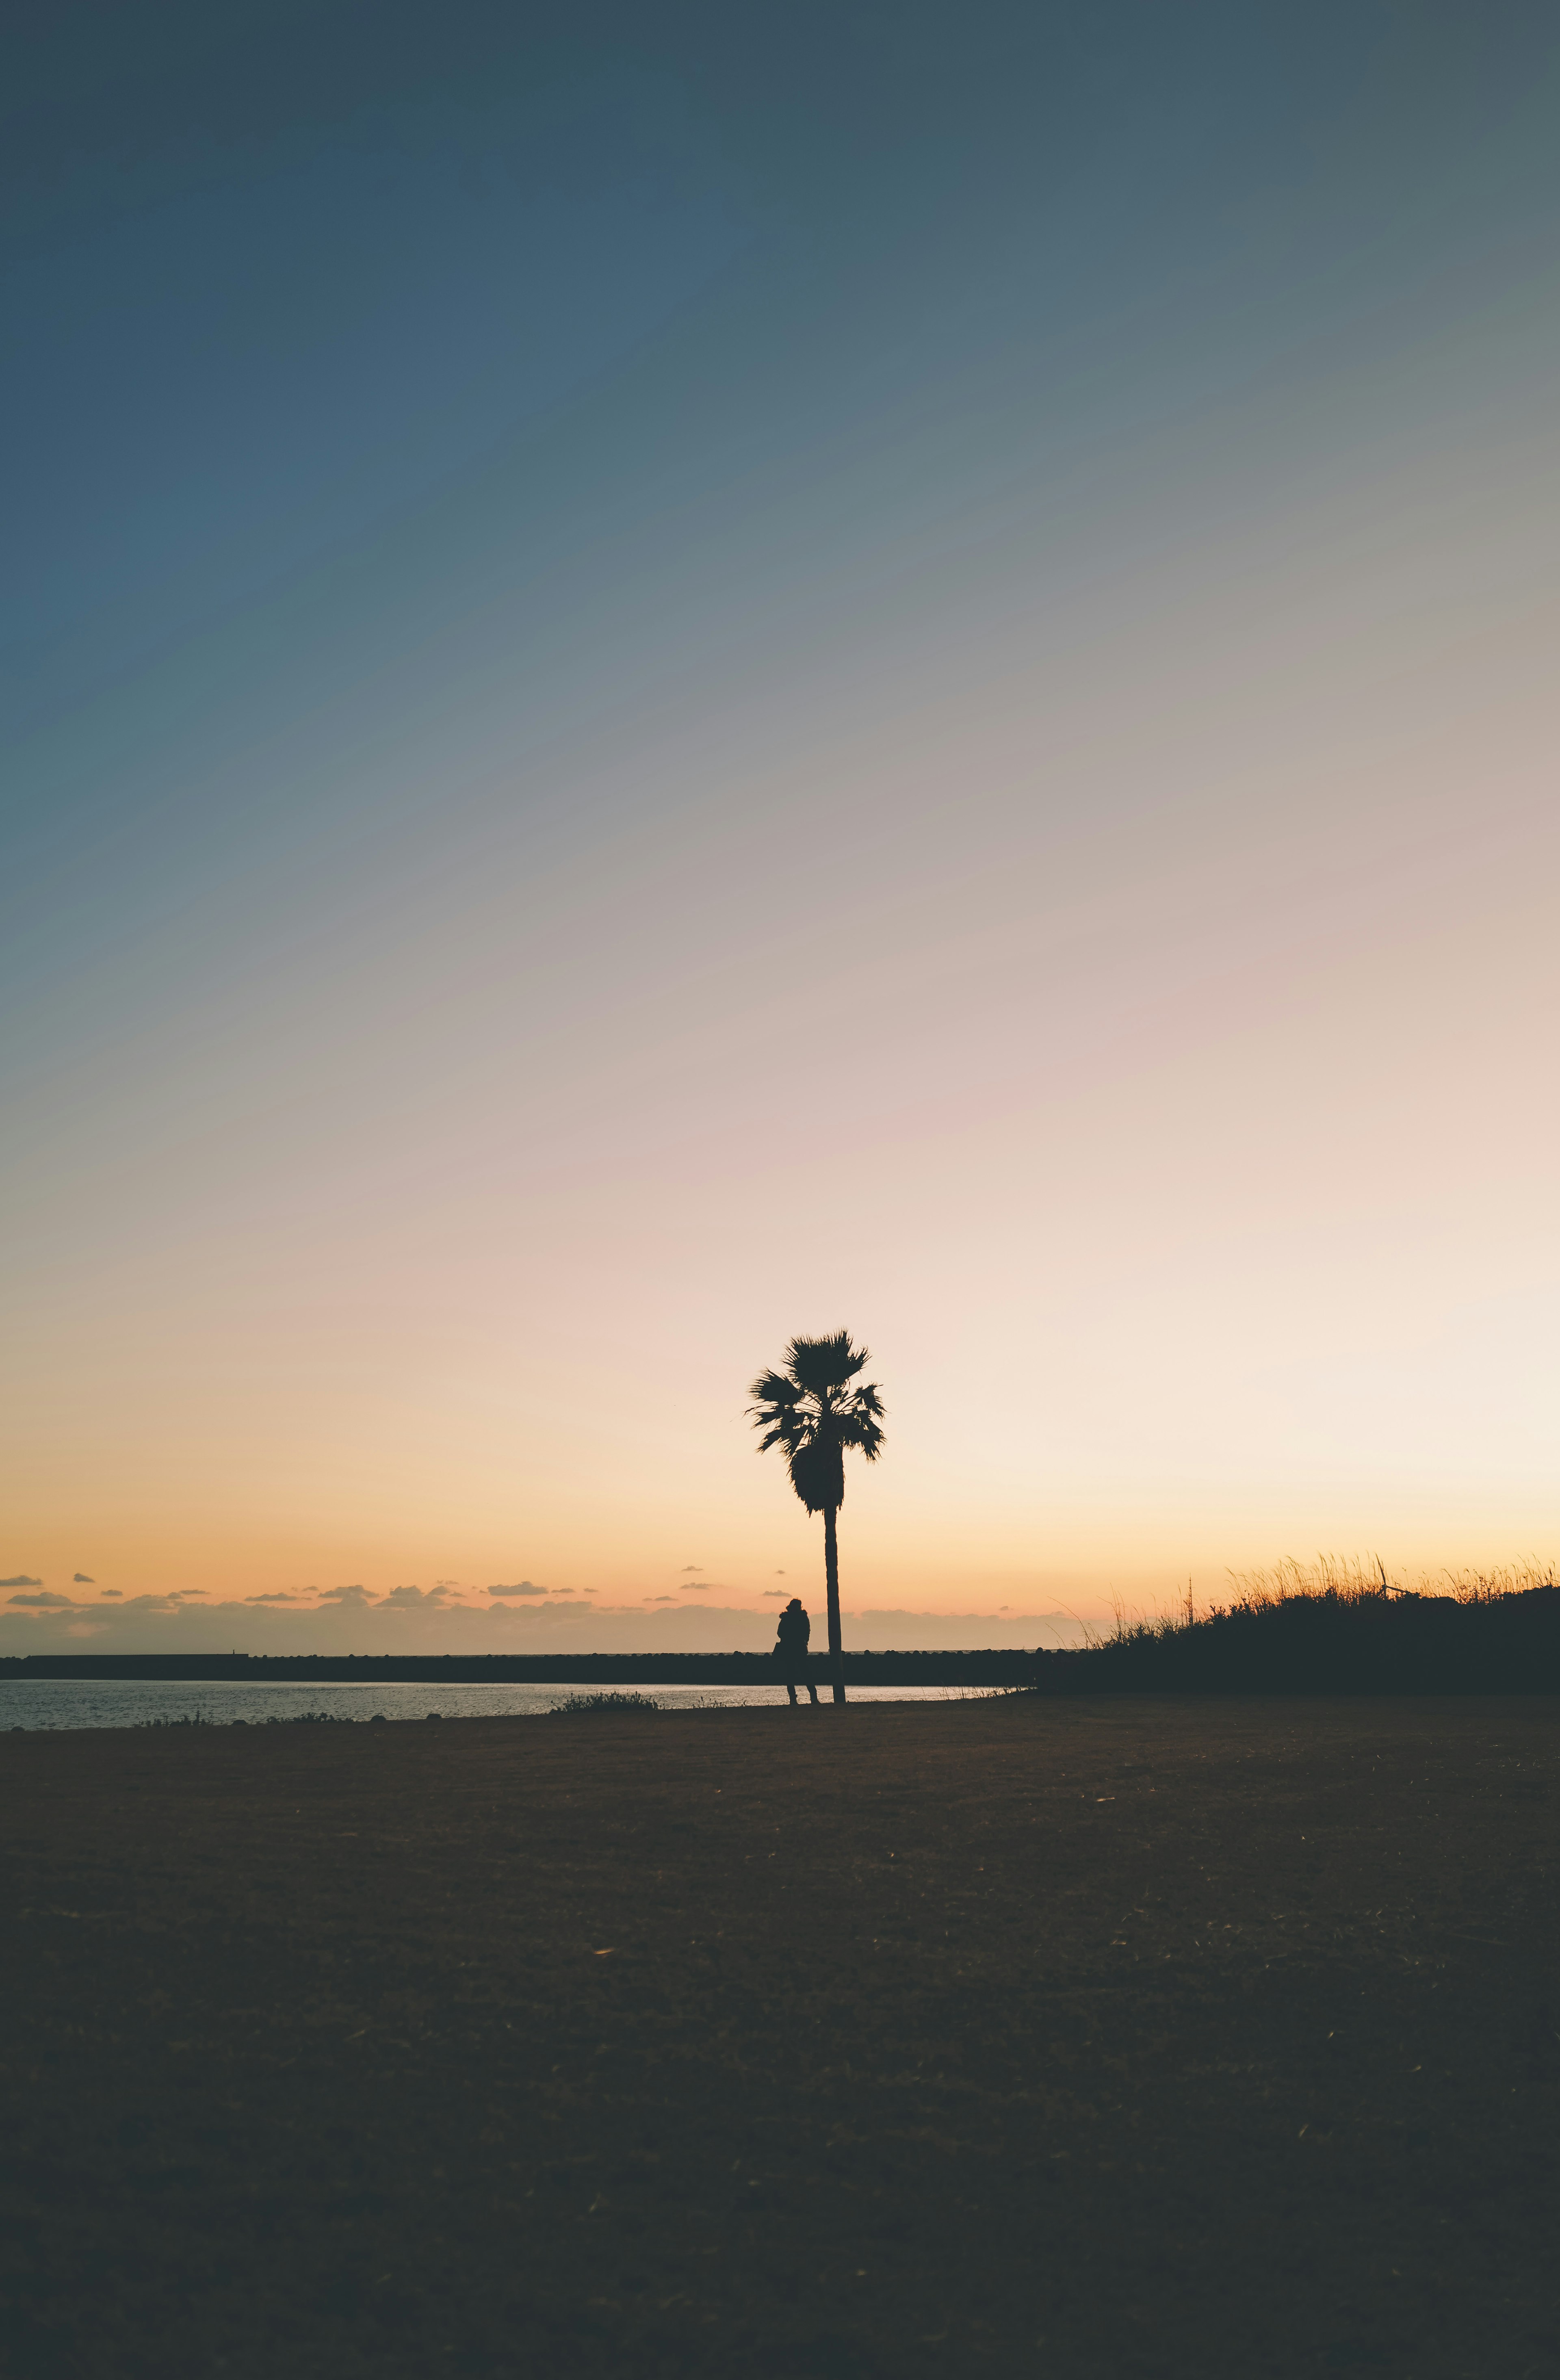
{"x":1345,"y":1638}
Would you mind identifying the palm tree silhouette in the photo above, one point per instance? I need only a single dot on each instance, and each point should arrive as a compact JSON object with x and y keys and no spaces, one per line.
{"x":815,"y":1409}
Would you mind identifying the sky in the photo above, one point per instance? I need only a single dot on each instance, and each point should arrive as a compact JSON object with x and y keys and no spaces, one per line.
{"x":671,"y":676}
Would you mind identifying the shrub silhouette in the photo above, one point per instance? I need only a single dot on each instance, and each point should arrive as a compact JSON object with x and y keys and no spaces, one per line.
{"x":583,"y":1705}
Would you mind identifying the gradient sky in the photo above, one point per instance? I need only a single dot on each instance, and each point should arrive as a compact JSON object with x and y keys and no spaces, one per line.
{"x":678,"y":675}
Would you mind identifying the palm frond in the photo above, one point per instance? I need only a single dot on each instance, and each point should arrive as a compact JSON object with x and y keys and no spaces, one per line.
{"x":818,"y":1365}
{"x":812,"y":1410}
{"x":858,"y":1427}
{"x":774,"y":1411}
{"x":789,"y":1430}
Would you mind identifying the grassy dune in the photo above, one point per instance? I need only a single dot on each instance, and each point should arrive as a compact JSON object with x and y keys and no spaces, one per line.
{"x":1097,"y":2039}
{"x":1334,"y":1627}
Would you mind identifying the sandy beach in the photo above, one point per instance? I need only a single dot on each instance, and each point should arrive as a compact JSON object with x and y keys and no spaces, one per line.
{"x":1093,"y":2038}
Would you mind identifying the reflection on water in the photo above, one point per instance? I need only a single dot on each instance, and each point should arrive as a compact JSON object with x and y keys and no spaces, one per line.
{"x":134,"y":1702}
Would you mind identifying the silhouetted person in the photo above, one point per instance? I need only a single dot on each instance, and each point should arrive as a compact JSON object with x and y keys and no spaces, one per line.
{"x":790,"y":1648}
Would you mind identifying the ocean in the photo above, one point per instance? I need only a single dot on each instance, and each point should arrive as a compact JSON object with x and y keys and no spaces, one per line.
{"x":136,"y":1702}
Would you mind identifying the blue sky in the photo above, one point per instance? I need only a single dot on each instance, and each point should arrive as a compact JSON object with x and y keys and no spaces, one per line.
{"x":586,"y":589}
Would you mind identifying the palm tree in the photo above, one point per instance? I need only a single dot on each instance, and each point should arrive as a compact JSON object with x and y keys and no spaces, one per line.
{"x":816,"y":1409}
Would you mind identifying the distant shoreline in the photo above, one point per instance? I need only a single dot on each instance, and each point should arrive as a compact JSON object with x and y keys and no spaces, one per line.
{"x":996,"y":1667}
{"x":1353,"y":1638}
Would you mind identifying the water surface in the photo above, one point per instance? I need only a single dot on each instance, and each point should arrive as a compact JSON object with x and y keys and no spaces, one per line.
{"x":135,"y":1701}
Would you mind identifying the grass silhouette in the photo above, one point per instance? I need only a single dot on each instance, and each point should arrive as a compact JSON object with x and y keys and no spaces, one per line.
{"x":1337,"y":1625}
{"x":588,"y":1706}
{"x":275,"y":1718}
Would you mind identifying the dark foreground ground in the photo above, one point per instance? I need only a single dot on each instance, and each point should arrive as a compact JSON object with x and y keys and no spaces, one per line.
{"x":1086,"y":2039}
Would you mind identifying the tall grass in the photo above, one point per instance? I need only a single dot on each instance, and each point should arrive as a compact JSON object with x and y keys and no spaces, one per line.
{"x":1339,"y":1623}
{"x":1355,"y":1577}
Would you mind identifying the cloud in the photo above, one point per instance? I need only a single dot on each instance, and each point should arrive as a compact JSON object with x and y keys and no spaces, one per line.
{"x":271,"y":1598}
{"x":81,"y":1579}
{"x":20,"y":1581}
{"x":661,"y":1598}
{"x":523,"y":1587}
{"x":701,"y":1586}
{"x":688,"y":1566}
{"x":40,"y":1602}
{"x":359,"y":1596}
{"x":113,"y":1593}
{"x":400,"y":1598}
{"x":777,"y":1592}
{"x":780,"y":1574}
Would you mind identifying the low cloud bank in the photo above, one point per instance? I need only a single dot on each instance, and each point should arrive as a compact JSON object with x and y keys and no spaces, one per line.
{"x":414,"y":1620}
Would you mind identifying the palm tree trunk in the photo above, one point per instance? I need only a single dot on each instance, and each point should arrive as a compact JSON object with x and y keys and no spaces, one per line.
{"x":831,"y":1575}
